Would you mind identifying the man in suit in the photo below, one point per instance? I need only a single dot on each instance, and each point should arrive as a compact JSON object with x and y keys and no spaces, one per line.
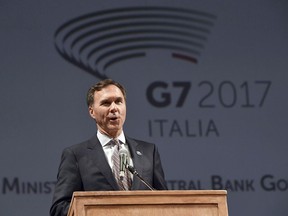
{"x":89,"y":166}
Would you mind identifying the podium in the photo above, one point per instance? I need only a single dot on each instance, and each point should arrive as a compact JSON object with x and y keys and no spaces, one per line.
{"x":152,"y":203}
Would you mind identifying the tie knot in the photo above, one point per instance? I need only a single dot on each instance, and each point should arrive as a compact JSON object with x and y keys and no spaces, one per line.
{"x":116,"y":142}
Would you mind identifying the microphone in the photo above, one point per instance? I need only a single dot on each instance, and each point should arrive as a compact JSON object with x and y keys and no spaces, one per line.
{"x":123,"y":154}
{"x":124,"y":164}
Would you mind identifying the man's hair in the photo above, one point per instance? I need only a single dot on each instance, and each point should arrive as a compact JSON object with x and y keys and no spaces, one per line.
{"x":99,"y":86}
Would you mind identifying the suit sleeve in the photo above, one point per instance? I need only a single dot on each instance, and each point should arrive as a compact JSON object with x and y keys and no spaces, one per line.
{"x":68,"y":181}
{"x":159,"y":182}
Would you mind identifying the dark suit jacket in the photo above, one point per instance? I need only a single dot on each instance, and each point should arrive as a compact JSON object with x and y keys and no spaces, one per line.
{"x":84,"y":167}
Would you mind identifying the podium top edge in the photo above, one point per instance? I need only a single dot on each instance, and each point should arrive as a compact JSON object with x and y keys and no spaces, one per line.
{"x":147,"y":192}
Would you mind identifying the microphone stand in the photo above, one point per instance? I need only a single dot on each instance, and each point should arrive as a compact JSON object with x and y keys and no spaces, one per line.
{"x":134,"y":172}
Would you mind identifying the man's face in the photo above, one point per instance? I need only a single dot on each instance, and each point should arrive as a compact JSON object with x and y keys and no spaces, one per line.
{"x":109,"y":110}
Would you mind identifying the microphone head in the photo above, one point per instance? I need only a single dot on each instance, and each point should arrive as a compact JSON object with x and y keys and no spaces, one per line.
{"x":123,"y":151}
{"x":124,"y":161}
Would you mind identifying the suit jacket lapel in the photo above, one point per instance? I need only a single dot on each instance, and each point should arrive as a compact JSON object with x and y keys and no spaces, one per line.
{"x":98,"y":157}
{"x":136,"y":153}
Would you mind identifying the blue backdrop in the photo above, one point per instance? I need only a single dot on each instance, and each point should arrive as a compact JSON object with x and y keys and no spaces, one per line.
{"x":206,"y":82}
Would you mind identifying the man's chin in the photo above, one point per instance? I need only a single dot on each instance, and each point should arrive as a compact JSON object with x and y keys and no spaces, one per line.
{"x":114,"y":128}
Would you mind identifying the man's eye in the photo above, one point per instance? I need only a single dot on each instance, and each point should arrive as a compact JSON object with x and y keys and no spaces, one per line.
{"x":106,"y":104}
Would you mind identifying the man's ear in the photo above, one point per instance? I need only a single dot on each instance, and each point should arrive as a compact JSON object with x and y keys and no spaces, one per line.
{"x":91,"y":112}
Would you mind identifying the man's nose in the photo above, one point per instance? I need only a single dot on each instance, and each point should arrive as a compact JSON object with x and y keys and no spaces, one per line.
{"x":113,"y":107}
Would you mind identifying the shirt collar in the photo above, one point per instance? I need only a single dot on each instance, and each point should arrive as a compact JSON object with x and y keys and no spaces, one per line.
{"x":104,"y":139}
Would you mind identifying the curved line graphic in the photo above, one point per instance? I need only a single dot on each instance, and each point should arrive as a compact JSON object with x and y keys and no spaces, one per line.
{"x":118,"y":19}
{"x":98,"y":36}
{"x":135,"y":9}
{"x":144,"y":39}
{"x":135,"y":33}
{"x":146,"y":46}
{"x":185,"y":57}
{"x":123,"y":57}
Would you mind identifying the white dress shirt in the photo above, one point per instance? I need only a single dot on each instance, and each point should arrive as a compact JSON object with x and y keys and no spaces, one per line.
{"x":108,"y":148}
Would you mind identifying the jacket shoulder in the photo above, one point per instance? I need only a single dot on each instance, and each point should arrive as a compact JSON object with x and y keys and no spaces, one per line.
{"x":83,"y":146}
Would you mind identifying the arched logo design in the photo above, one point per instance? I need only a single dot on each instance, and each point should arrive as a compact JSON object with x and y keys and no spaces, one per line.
{"x":98,"y":40}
